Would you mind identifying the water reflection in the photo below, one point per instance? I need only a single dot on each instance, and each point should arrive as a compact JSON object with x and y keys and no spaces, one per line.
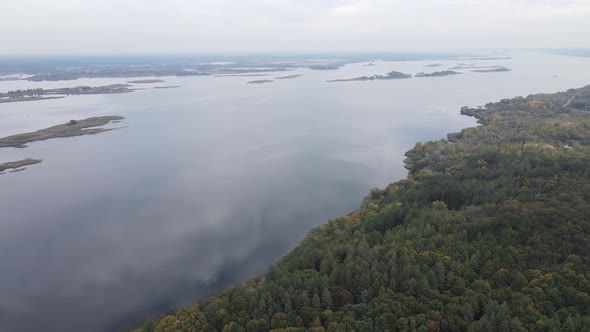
{"x":211,"y":182}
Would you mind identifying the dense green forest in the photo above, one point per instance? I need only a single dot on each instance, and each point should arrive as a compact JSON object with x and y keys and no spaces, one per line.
{"x":489,"y":232}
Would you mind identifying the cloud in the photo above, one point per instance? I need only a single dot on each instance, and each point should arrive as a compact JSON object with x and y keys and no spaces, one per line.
{"x":346,"y":10}
{"x":289,"y":25}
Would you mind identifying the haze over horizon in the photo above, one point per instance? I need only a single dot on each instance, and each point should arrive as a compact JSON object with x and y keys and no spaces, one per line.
{"x":217,"y":26}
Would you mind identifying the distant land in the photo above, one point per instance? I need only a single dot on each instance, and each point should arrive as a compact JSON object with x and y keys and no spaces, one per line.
{"x":167,"y":87}
{"x":394,"y":75}
{"x":260,"y":81}
{"x":146,"y":81}
{"x":288,"y":77}
{"x":241,"y":75}
{"x":438,"y":73}
{"x":323,"y":67}
{"x":491,"y":70}
{"x":55,"y":68}
{"x":41,"y":94}
{"x":470,"y":66}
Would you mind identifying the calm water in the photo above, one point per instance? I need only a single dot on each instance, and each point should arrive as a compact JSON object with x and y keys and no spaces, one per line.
{"x":209,"y":183}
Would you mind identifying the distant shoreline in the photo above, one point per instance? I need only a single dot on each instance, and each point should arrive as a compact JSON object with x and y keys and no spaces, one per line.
{"x":43,"y":94}
{"x":260,"y":81}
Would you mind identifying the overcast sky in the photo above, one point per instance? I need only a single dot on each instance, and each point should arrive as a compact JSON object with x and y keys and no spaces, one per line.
{"x":211,"y":26}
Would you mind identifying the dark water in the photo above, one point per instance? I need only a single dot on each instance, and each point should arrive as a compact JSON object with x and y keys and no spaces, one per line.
{"x":210,"y":183}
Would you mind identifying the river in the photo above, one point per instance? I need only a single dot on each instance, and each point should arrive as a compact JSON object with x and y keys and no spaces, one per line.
{"x":209,"y":183}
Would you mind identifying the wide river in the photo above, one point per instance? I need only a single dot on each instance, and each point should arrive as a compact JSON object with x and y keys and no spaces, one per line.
{"x":208,"y":184}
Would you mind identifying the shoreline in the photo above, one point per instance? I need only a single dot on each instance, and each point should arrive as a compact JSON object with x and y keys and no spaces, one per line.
{"x":373,"y":206}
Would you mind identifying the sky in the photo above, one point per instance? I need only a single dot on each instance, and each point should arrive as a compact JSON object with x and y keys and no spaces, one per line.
{"x":214,"y":26}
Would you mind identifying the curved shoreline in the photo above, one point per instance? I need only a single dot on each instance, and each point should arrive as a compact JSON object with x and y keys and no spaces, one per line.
{"x":478,"y":153}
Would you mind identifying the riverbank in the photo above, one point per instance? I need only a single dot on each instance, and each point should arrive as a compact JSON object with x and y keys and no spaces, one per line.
{"x":425,"y":250}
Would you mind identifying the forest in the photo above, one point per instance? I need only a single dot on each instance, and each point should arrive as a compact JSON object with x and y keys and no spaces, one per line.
{"x":490,"y":231}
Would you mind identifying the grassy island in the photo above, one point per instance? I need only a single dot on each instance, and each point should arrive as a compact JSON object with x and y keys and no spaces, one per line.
{"x":489,"y":233}
{"x":18,"y":164}
{"x":72,"y":128}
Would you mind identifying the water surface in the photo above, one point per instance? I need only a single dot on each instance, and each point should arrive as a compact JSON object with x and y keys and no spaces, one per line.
{"x":211,"y":182}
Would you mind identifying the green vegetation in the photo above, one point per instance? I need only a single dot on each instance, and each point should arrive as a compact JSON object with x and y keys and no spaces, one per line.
{"x":72,"y":128}
{"x":489,"y":233}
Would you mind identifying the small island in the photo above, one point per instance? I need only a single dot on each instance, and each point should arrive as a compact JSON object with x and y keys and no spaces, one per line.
{"x":240,"y":75}
{"x":18,"y":164}
{"x":287,"y":77}
{"x":492,"y":70}
{"x":432,"y":65}
{"x":167,"y":87}
{"x":70,"y":129}
{"x":146,"y":81}
{"x":323,"y":67}
{"x":27,"y":98}
{"x":438,"y":73}
{"x":260,"y":81}
{"x":394,"y":75}
{"x":370,"y":64}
